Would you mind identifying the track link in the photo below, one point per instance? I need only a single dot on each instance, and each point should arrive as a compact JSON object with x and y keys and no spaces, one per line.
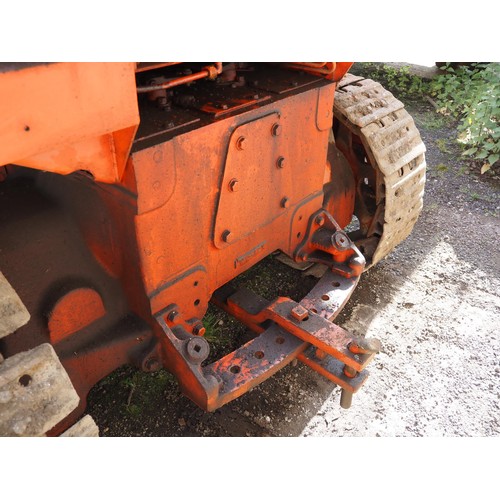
{"x":394,"y":149}
{"x":36,"y":392}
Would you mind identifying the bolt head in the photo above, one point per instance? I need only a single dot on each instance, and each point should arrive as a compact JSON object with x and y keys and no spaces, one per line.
{"x":241,"y":143}
{"x":227,"y":236}
{"x":276,"y":129}
{"x":285,"y":202}
{"x":341,"y":240}
{"x":320,"y":220}
{"x":173,"y":316}
{"x":199,"y":329}
{"x":280,"y":162}
{"x":233,"y":185}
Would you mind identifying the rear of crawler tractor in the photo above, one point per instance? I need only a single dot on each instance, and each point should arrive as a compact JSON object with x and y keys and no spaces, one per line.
{"x":133,"y":194}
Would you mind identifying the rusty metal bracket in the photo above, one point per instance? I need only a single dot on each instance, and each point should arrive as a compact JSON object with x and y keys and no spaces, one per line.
{"x":325,"y":242}
{"x":286,"y":330}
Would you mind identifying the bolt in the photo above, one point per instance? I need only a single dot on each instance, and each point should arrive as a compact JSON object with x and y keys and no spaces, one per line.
{"x":227,"y":236}
{"x":320,"y":354}
{"x":280,"y":162}
{"x":276,"y":129}
{"x":173,"y":316}
{"x":349,"y":371}
{"x":285,"y":202}
{"x":320,"y":220}
{"x":299,"y":313}
{"x":345,"y":399}
{"x":233,"y":185}
{"x":341,"y":240}
{"x":241,"y":143}
{"x":199,"y":329}
{"x":256,"y":96}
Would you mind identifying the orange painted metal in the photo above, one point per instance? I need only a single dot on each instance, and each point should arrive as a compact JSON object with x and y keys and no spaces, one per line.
{"x":74,"y":311}
{"x":64,"y":117}
{"x":189,"y":176}
{"x":173,"y":216}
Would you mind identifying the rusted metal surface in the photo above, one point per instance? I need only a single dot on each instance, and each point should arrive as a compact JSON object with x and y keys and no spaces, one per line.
{"x":253,"y":363}
{"x":322,"y":345}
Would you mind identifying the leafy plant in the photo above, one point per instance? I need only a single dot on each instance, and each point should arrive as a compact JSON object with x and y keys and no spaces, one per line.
{"x":397,"y":80}
{"x":472,"y":95}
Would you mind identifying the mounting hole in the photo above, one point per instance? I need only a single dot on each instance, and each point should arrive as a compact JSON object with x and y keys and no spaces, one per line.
{"x":315,"y":311}
{"x":280,"y":340}
{"x":305,"y":319}
{"x":259,"y":354}
{"x":235,"y":369}
{"x":25,"y":380}
{"x":336,"y":284}
{"x":300,"y":217}
{"x":195,"y":283}
{"x":197,"y":348}
{"x":325,"y":297}
{"x":197,"y":302}
{"x":27,"y":128}
{"x":299,"y":234}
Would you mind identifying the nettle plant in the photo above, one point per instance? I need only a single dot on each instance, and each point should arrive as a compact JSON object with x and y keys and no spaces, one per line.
{"x":472,"y":95}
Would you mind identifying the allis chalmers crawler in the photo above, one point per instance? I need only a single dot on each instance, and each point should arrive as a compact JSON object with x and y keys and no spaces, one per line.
{"x":132,"y":193}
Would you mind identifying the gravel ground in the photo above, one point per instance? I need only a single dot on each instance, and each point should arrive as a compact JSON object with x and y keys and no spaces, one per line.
{"x":434,"y":303}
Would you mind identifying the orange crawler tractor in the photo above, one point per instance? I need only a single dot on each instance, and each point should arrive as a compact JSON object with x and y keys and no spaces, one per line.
{"x":132,"y":193}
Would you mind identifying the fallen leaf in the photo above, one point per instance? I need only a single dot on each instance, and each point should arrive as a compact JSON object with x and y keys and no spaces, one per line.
{"x":485,"y":168}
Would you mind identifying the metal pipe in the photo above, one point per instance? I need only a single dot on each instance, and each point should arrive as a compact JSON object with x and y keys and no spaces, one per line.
{"x":208,"y":72}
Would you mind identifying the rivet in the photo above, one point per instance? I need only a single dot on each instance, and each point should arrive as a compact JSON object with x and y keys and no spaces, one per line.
{"x":280,"y":162}
{"x":285,"y":202}
{"x":276,"y":129}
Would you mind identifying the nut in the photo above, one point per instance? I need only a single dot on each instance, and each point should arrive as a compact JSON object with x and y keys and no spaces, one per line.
{"x":300,"y":313}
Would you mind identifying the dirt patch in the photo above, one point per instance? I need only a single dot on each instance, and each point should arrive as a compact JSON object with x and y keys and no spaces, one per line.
{"x":434,"y":303}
